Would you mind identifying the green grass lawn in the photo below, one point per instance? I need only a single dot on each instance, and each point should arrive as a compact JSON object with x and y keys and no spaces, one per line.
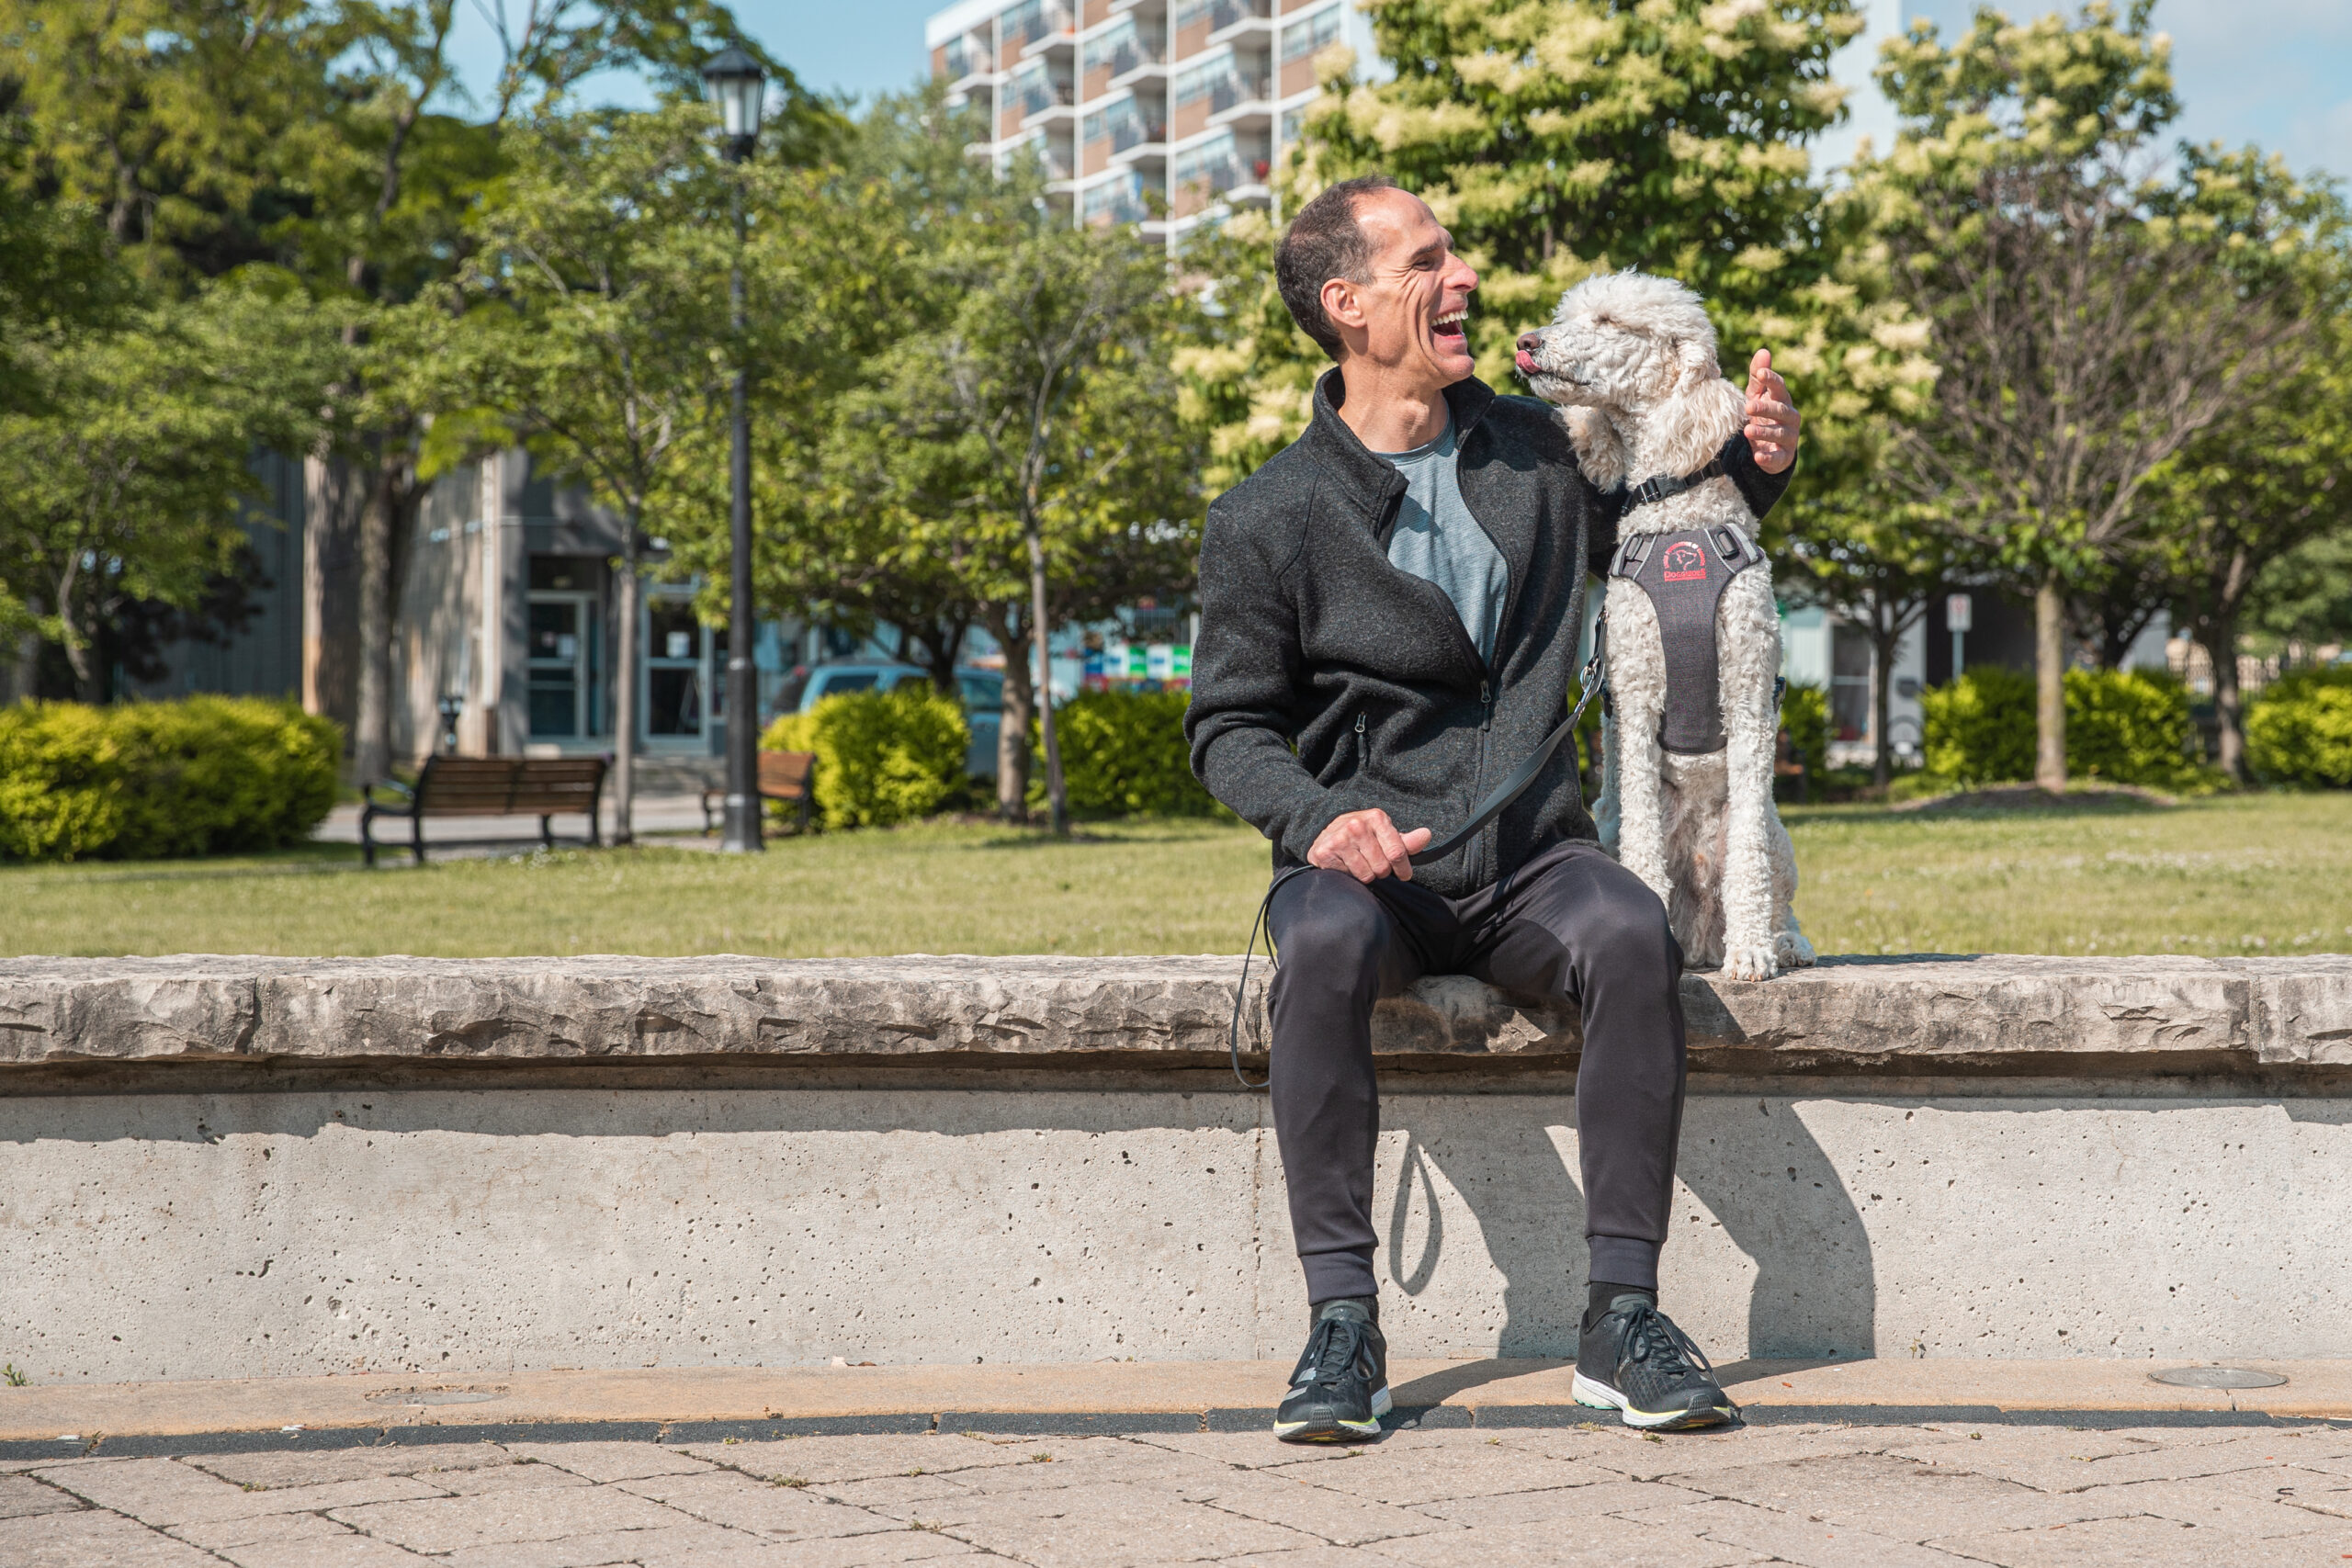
{"x":2257,"y":874}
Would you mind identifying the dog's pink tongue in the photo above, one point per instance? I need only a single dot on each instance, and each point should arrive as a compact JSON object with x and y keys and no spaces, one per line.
{"x":1526,"y":363}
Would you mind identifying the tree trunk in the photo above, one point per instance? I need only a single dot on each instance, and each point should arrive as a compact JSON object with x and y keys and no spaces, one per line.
{"x":333,"y":496}
{"x":1057,"y":791}
{"x":1012,"y":725}
{"x":625,"y":694}
{"x":2049,"y":686}
{"x":2218,"y":633}
{"x":371,"y":729}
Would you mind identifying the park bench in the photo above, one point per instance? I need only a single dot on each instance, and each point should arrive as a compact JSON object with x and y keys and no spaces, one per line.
{"x":490,"y":787}
{"x":787,"y":776}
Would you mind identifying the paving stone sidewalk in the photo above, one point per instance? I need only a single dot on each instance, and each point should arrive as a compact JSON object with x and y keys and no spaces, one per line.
{"x":1823,"y":1496}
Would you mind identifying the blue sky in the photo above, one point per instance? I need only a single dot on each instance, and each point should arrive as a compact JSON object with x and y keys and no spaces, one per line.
{"x":2276,"y":72}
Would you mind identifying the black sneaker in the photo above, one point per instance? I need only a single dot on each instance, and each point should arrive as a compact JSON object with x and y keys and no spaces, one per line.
{"x":1341,"y":1389}
{"x":1636,"y":1361}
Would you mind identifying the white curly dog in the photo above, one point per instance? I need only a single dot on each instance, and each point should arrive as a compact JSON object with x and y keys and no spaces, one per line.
{"x":1631,"y":359}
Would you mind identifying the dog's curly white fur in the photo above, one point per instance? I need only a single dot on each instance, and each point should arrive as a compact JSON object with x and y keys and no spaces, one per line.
{"x":1631,"y":358}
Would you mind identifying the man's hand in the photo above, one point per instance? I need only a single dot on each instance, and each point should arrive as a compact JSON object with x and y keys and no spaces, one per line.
{"x":1367,"y":846}
{"x":1772,"y":417}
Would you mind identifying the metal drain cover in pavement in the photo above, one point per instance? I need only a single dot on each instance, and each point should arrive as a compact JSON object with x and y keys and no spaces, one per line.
{"x":2217,"y":1377}
{"x":434,"y":1395}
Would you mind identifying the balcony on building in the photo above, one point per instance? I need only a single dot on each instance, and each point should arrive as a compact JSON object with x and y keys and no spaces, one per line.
{"x":964,"y":64}
{"x":1123,"y":197}
{"x":1042,"y":29}
{"x":1233,"y":20}
{"x":1216,"y":173}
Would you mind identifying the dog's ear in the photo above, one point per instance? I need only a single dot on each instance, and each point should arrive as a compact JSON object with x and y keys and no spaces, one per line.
{"x":1600,"y":453}
{"x":1694,"y":362}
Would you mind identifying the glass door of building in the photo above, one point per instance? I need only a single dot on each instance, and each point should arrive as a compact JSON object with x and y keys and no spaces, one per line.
{"x":562,"y":632}
{"x":677,"y":675}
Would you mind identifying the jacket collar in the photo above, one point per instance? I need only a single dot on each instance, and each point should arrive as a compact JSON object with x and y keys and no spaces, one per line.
{"x":1367,"y":474}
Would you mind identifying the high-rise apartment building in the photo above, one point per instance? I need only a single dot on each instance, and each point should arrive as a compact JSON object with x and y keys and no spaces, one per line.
{"x":1192,"y":101}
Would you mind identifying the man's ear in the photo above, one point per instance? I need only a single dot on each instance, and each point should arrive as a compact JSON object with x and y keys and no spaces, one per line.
{"x":1340,"y":304}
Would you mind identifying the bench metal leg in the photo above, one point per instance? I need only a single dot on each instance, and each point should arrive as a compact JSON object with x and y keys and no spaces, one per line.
{"x":546,"y":831}
{"x":594,"y":841}
{"x":416,"y":836}
{"x":368,"y":835}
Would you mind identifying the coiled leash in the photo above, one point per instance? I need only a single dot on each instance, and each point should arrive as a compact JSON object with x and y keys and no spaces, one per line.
{"x":1595,"y":672}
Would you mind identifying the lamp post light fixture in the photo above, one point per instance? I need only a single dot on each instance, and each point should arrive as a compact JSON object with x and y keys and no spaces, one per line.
{"x":736,"y":85}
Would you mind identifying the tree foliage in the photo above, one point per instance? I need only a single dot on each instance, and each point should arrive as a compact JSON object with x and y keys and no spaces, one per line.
{"x":125,"y":483}
{"x":2090,"y":316}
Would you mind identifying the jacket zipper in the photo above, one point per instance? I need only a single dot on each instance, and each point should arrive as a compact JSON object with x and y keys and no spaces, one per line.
{"x":1483,"y":855}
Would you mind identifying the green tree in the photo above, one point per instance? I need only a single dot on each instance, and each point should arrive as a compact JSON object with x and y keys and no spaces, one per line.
{"x":125,"y":483}
{"x":842,"y":249}
{"x":2305,"y":599}
{"x":2269,"y":476}
{"x":2089,"y":318}
{"x":1035,"y":444}
{"x":1559,"y":136}
{"x":594,"y":331}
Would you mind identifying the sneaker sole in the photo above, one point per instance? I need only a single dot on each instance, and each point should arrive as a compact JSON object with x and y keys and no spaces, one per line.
{"x":1598,"y":1395}
{"x":1336,"y":1431}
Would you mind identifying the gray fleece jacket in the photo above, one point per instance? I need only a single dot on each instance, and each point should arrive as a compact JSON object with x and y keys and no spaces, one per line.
{"x":1327,"y":681}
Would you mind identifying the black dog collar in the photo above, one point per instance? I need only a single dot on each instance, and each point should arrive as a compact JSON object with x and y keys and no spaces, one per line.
{"x":1663,"y":486}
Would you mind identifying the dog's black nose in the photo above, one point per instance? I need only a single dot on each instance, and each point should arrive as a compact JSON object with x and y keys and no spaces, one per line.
{"x":1530,"y":342}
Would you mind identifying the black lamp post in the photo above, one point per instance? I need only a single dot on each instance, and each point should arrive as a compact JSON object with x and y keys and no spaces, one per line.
{"x":736,"y":83}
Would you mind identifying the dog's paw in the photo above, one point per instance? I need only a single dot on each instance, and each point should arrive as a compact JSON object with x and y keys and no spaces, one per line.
{"x":1752,"y":962}
{"x":1794,"y":951}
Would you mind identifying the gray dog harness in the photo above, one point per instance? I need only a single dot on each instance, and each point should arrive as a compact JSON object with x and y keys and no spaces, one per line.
{"x":1685,"y":573}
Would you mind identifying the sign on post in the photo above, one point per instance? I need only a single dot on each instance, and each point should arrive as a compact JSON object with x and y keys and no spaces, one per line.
{"x":1960,"y":614}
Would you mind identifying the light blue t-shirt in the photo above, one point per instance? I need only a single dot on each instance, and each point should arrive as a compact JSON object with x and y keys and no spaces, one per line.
{"x":1436,"y":538}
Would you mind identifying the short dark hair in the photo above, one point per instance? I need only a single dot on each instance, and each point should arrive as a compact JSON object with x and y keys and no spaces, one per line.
{"x":1325,"y":242}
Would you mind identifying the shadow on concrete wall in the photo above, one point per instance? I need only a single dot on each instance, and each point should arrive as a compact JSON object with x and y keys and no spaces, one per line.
{"x":1751,"y":1162}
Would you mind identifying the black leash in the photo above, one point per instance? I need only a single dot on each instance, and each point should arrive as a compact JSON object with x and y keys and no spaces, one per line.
{"x":1516,"y":785}
{"x":1241,"y":994}
{"x":1511,"y":788}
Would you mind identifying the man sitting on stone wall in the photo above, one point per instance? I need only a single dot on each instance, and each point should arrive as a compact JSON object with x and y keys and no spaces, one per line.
{"x":1390,"y":611}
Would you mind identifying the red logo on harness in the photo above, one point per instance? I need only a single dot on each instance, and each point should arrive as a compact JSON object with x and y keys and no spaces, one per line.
{"x":1685,"y":563}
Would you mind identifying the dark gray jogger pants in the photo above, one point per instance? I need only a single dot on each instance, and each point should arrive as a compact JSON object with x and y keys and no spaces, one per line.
{"x":1571,"y":923}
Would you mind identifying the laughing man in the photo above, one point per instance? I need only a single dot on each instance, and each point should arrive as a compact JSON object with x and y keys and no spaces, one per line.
{"x":1390,"y":619}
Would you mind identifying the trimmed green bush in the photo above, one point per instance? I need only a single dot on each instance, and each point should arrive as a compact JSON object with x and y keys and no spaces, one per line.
{"x":201,"y":775}
{"x":1123,"y":753}
{"x":2123,"y":726}
{"x":2299,"y":730}
{"x":61,"y":781}
{"x":2130,"y":726}
{"x":1980,"y":728}
{"x":1805,"y":714}
{"x":883,"y":757}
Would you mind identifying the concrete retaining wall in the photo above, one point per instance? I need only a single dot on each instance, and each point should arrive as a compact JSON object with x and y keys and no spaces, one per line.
{"x":234,"y":1167}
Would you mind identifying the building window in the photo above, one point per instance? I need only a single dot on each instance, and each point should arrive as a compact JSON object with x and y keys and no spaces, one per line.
{"x":1214,"y":165}
{"x":1849,"y":684}
{"x":1202,"y":79}
{"x":1307,"y":35}
{"x":1116,"y":200}
{"x":1106,"y":121}
{"x":673,"y":670}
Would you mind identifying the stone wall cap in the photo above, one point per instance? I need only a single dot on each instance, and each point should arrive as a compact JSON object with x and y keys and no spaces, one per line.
{"x":2165,"y":1012}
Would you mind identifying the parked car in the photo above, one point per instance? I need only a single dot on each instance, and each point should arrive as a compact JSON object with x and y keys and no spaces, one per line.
{"x":982,"y":692}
